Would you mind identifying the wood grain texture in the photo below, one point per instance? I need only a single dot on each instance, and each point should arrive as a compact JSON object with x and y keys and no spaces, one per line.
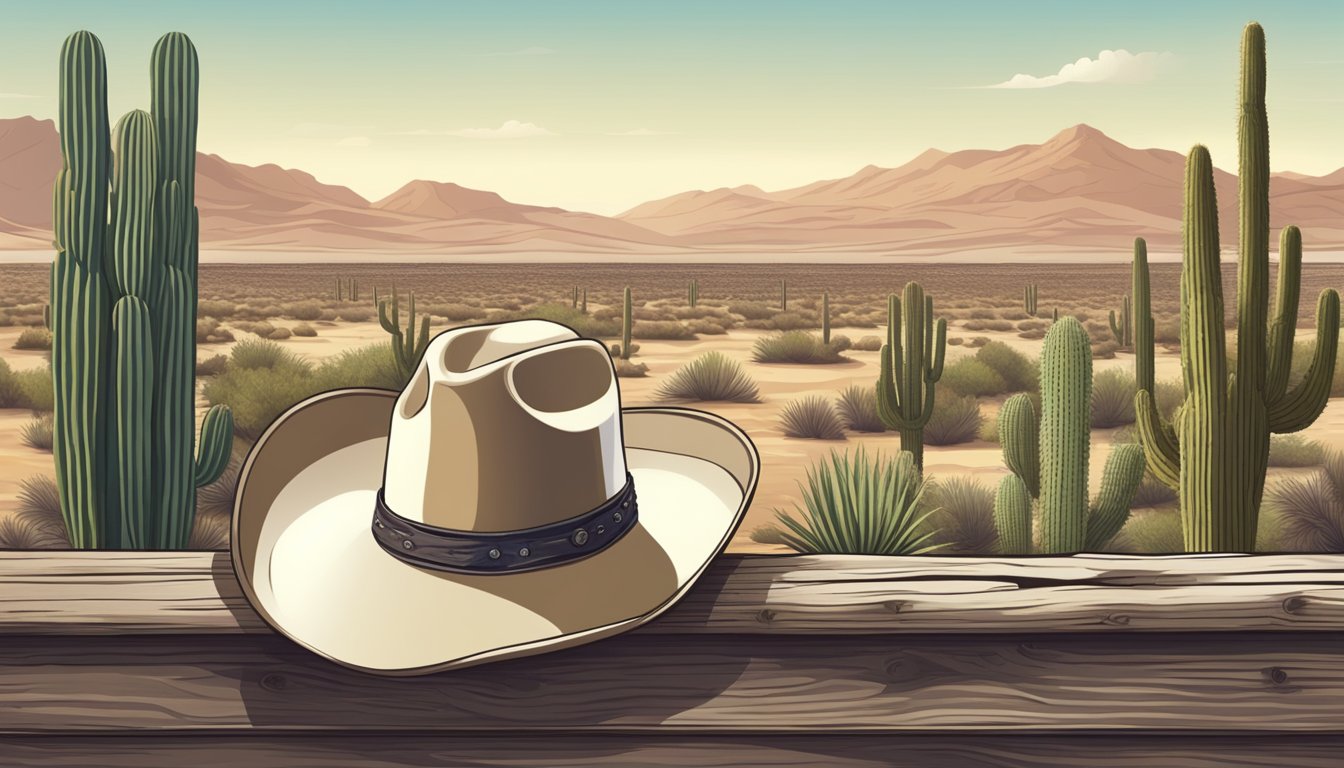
{"x":781,"y":750}
{"x":122,"y":593}
{"x":1157,"y":682}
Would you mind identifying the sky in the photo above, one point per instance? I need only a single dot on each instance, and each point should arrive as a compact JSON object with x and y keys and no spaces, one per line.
{"x":599,"y":106}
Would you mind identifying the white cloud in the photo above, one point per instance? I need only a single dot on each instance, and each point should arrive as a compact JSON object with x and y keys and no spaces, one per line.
{"x":354,"y":141}
{"x":640,"y":132}
{"x":1109,"y":67}
{"x":511,"y":129}
{"x":532,"y":50}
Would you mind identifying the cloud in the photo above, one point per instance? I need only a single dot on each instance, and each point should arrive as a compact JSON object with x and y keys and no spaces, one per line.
{"x":640,"y":132}
{"x":532,"y":50}
{"x":1109,"y":67}
{"x":354,"y":141}
{"x":511,"y":129}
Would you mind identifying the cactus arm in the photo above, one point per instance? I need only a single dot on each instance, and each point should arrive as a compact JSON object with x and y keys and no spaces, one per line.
{"x":1012,"y":516}
{"x":1161,"y":450}
{"x":215,"y":445}
{"x":1119,"y":481}
{"x":1115,"y":328}
{"x":1284,"y":325}
{"x":935,"y":371}
{"x":1299,"y":408}
{"x":1019,"y":432}
{"x":1253,"y":193}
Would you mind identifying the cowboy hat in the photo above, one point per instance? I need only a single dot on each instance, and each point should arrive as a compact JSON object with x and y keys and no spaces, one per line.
{"x":503,"y":504}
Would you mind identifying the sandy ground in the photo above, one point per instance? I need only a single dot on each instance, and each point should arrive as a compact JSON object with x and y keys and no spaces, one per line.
{"x":785,"y":460}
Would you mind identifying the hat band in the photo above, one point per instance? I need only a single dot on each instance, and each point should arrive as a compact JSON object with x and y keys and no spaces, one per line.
{"x":506,"y":551}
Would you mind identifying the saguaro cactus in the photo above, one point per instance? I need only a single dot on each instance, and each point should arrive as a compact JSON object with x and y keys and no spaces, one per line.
{"x":1049,"y":457}
{"x":826,"y":317}
{"x":407,"y":345}
{"x":627,"y":324}
{"x":783,"y":295}
{"x":123,"y":308}
{"x":693,"y":293}
{"x":1216,"y":454}
{"x":1120,"y":324}
{"x":912,"y":363}
{"x":1029,"y":297}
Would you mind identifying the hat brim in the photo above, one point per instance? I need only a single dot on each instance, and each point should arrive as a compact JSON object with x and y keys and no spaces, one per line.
{"x":307,"y":560}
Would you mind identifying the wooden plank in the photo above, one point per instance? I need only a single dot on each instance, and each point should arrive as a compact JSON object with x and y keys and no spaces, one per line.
{"x":784,"y":751}
{"x":121,"y":593}
{"x":1245,"y":682}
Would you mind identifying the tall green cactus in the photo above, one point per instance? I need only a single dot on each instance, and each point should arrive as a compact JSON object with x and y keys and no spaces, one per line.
{"x":825,"y":317}
{"x":1216,"y":454}
{"x":693,"y":293}
{"x":627,"y":324}
{"x":123,"y":309}
{"x":583,"y":302}
{"x":1049,"y":457}
{"x":1121,"y":326}
{"x":407,"y":345}
{"x":1030,"y":294}
{"x":911,"y":364}
{"x":783,"y":295}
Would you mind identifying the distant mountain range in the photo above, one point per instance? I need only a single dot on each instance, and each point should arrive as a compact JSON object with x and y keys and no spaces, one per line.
{"x":1079,"y":190}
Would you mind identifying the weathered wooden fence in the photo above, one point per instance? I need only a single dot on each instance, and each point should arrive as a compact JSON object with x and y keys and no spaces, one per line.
{"x":139,"y":659}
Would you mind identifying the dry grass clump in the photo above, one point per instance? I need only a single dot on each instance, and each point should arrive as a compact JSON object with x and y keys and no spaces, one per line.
{"x":304,"y":330}
{"x":33,"y":338}
{"x":956,"y":419}
{"x":710,"y":377}
{"x":661,"y":330}
{"x":37,"y":433}
{"x":798,"y":347}
{"x":962,"y":522}
{"x":858,"y":409}
{"x":811,"y":417}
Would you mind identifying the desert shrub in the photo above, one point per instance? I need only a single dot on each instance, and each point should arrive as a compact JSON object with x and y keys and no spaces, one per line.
{"x":711,"y":376}
{"x":871,"y":343}
{"x":260,"y":353}
{"x":209,"y":532}
{"x":1152,"y":493}
{"x":217,"y":498}
{"x":1019,"y":372}
{"x":977,"y":342}
{"x":859,"y":504}
{"x":1155,"y":532}
{"x":1112,"y":399}
{"x":956,"y":419}
{"x":794,"y":347}
{"x":249,"y":312}
{"x":753,"y":311}
{"x":259,"y":328}
{"x":1033,"y":334}
{"x":1294,"y":451}
{"x":36,"y":522}
{"x":666,"y":330}
{"x":963,"y":518}
{"x":258,"y":395}
{"x":1310,"y":511}
{"x":304,"y":330}
{"x":1170,"y":395}
{"x":988,"y":325}
{"x":328,"y":315}
{"x":982,"y":313}
{"x":858,"y":409}
{"x":204,"y":327}
{"x":212,"y":366}
{"x":811,"y":417}
{"x":989,"y":430}
{"x":841,"y":342}
{"x":972,"y":377}
{"x":630,"y":370}
{"x":37,"y":433}
{"x":589,"y":326}
{"x":371,"y":365}
{"x":767,"y":534}
{"x":791,"y":321}
{"x":1167,"y":329}
{"x":706,"y":327}
{"x":279,"y":334}
{"x":303,"y":310}
{"x":30,"y":389}
{"x":1104,"y":350}
{"x":353,"y":314}
{"x":216,"y":309}
{"x":33,"y":338}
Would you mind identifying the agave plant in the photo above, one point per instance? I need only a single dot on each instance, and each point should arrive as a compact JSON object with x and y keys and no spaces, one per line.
{"x":860,"y":505}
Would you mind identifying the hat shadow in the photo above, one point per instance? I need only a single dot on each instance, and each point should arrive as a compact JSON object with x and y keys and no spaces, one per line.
{"x":281,"y":684}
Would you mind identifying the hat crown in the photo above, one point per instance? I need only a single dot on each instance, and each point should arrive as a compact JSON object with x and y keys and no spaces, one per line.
{"x":506,"y":427}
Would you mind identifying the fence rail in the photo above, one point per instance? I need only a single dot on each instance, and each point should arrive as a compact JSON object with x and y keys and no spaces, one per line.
{"x":154,"y":658}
